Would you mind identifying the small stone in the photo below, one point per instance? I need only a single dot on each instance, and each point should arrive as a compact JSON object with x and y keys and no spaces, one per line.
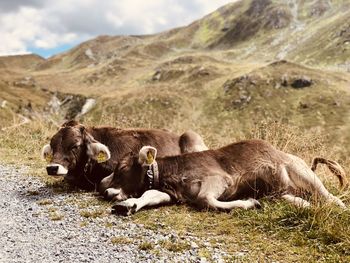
{"x":194,"y":245}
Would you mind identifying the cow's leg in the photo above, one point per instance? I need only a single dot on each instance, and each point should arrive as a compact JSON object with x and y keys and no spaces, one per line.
{"x":228,"y":205}
{"x":213,"y":187}
{"x":295,"y":200}
{"x":132,"y":205}
{"x":285,"y":184}
{"x":304,"y":178}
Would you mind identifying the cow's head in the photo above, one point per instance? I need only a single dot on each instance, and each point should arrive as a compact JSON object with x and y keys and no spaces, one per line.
{"x":70,"y":148}
{"x":129,"y":178}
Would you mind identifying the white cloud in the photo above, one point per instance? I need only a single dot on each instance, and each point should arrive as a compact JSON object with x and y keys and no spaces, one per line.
{"x":26,"y":28}
{"x":18,"y":29}
{"x":209,"y":6}
{"x":49,"y":24}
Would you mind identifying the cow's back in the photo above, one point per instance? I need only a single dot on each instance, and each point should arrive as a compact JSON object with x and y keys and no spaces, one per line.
{"x":245,"y":153}
{"x":123,"y":141}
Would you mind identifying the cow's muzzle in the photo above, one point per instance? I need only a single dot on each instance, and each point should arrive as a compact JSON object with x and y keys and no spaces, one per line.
{"x":110,"y":193}
{"x":56,"y":169}
{"x":114,"y":194}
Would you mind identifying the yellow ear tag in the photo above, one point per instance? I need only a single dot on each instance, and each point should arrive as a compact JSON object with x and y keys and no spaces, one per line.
{"x":101,"y":157}
{"x":48,"y":157}
{"x":149,"y":158}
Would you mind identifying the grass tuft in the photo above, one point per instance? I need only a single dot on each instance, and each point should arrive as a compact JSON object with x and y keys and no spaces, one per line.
{"x":121,"y":240}
{"x":45,"y":202}
{"x":92,"y":213}
{"x":54,"y":216}
{"x":146,"y":245}
{"x":175,"y":245}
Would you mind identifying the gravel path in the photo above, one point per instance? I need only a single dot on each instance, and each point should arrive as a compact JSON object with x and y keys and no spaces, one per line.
{"x":39,"y":225}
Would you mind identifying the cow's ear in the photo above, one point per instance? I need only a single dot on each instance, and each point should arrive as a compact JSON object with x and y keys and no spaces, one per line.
{"x":95,"y":149}
{"x":147,"y":155}
{"x":46,"y":153}
{"x":98,"y":152}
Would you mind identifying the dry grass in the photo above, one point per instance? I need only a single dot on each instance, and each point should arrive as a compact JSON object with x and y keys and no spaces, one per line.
{"x":45,"y":202}
{"x":278,"y":232}
{"x":92,"y":213}
{"x":121,"y":240}
{"x":175,"y":245}
{"x":145,"y":245}
{"x":54,"y":216}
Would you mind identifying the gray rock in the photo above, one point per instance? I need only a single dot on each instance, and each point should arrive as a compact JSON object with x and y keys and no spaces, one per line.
{"x":301,"y":82}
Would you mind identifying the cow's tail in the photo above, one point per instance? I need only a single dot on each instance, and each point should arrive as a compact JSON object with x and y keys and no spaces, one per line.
{"x":334,"y":167}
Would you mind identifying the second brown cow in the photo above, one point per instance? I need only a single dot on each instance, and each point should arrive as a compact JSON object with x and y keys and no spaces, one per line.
{"x":234,"y":176}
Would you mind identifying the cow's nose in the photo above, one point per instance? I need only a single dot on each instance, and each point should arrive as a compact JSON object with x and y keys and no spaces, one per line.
{"x":110,"y":193}
{"x":52,"y":169}
{"x":107,"y":195}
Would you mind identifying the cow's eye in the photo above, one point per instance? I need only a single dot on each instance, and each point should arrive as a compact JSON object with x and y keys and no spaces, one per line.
{"x":74,"y":147}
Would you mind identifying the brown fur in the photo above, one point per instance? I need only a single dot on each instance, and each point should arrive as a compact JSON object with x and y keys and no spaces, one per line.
{"x":214,"y":178}
{"x":119,"y":142}
{"x":191,"y":142}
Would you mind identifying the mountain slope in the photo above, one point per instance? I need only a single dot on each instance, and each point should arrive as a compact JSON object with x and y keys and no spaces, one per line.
{"x":29,"y":61}
{"x":302,"y":31}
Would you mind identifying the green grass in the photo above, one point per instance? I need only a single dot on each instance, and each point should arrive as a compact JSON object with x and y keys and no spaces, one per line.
{"x":279,"y":231}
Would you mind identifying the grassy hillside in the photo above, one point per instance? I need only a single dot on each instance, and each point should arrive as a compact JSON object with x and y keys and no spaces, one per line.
{"x":29,"y":61}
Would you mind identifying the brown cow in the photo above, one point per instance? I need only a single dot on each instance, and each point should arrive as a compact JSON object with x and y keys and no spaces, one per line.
{"x":86,"y":155}
{"x":189,"y":142}
{"x":226,"y":178}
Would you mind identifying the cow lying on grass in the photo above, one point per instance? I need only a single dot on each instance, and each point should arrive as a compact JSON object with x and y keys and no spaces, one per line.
{"x":86,"y":155}
{"x":188,"y":142}
{"x":226,"y":178}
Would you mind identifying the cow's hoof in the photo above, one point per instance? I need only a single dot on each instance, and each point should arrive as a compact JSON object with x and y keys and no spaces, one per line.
{"x":256,"y":203}
{"x":123,"y":209}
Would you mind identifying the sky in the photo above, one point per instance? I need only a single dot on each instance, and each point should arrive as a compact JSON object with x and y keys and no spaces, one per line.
{"x":50,"y":27}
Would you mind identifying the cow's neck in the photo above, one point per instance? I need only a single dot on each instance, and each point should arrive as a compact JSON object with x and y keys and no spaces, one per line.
{"x":169,"y":177}
{"x":83,"y":170}
{"x":168,"y":169}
